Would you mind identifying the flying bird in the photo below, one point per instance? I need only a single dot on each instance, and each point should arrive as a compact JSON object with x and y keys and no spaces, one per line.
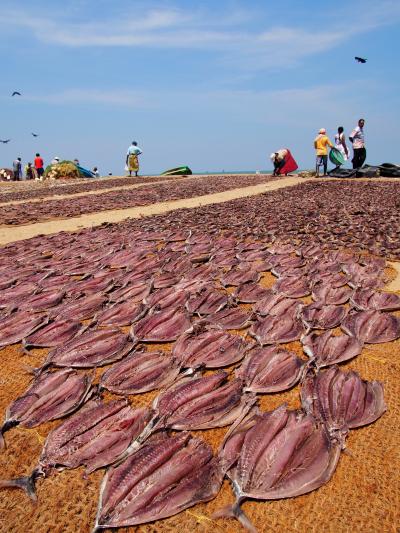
{"x":35,"y":134}
{"x":360,"y":59}
{"x":16,"y":93}
{"x":5,"y":142}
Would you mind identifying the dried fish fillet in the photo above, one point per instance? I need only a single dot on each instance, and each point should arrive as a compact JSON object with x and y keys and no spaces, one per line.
{"x":53,"y":334}
{"x":369,"y":299}
{"x":140,"y":372}
{"x":164,"y":326}
{"x":52,"y":395}
{"x":91,"y":349}
{"x":164,"y":477}
{"x":372,"y":327}
{"x":320,"y":316}
{"x":272,"y":369}
{"x":209,"y":348}
{"x":328,"y":349}
{"x":97,"y":435}
{"x":202,"y":403}
{"x":15,"y":327}
{"x":274,"y":455}
{"x":342,"y":400}
{"x":277,"y":329}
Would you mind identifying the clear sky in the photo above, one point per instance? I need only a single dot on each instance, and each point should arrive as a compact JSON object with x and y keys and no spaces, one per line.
{"x":211,"y":84}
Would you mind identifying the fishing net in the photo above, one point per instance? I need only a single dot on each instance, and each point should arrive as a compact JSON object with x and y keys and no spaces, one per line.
{"x":5,"y":174}
{"x":62,"y":170}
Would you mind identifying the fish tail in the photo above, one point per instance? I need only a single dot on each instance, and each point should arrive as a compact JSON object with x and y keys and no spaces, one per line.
{"x":36,"y":372}
{"x":2,"y":441}
{"x":26,"y":483}
{"x":235,"y":511}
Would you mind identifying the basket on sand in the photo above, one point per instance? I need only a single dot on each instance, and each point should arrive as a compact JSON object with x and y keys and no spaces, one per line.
{"x":62,"y":170}
{"x":6,"y":174}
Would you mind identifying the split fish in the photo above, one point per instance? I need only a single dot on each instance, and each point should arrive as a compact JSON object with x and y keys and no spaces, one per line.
{"x":97,"y":435}
{"x":164,"y":477}
{"x":51,"y":396}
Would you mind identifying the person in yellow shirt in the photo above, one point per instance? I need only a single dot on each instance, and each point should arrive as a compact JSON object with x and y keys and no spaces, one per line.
{"x":321,"y":144}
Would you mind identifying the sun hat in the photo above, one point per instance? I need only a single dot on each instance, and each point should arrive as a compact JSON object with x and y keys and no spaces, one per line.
{"x":322,"y":130}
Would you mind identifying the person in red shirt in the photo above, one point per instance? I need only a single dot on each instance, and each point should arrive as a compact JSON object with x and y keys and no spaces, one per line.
{"x":39,"y":165}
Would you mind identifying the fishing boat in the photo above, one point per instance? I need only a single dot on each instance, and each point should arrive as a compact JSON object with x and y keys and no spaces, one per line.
{"x":178,"y":171}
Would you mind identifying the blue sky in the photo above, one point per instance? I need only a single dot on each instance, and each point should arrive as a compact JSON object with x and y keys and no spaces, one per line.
{"x":214,"y":85}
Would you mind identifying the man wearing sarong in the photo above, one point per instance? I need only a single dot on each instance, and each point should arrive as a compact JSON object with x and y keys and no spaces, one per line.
{"x":132,"y":159}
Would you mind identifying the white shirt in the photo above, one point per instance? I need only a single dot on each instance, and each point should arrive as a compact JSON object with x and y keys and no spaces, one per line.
{"x":134,"y":150}
{"x":358,"y":137}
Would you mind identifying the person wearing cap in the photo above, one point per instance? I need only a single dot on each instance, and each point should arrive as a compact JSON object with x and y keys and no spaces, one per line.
{"x":132,"y":160}
{"x":321,"y":143}
{"x":55,"y":161}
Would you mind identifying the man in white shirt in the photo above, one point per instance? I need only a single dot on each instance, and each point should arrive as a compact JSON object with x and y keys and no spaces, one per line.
{"x":358,"y":140}
{"x":132,"y":160}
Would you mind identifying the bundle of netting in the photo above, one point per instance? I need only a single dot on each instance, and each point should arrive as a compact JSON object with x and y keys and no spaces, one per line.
{"x":61,"y":171}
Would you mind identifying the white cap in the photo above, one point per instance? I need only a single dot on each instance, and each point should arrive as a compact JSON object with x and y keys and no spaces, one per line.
{"x":57,"y":158}
{"x":322,"y":130}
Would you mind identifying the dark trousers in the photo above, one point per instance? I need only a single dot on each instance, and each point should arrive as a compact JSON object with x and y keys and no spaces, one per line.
{"x":322,"y":160}
{"x":359,"y":157}
{"x":277,"y":167}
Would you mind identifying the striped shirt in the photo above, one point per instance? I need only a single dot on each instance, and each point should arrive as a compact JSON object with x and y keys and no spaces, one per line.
{"x":358,"y":138}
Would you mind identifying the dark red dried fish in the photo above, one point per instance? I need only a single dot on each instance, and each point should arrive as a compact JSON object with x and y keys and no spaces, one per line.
{"x":320,"y":316}
{"x":140,"y":372}
{"x":230,"y":318}
{"x":279,"y":454}
{"x":292,"y":287}
{"x":372,"y":327}
{"x":208,"y":348}
{"x":277,"y":329}
{"x":19,"y":325}
{"x":53,"y":334}
{"x":80,"y":309}
{"x":327,"y":349}
{"x":51,"y":396}
{"x":166,"y":298}
{"x":202,"y":403}
{"x":270,"y":369}
{"x":121,"y":314}
{"x":237,"y":276}
{"x":93,"y":348}
{"x":324,"y":293}
{"x":97,"y":435}
{"x":207,"y":301}
{"x":164,"y":477}
{"x":342,"y":400}
{"x":368,"y":299}
{"x":132,"y":293}
{"x":250,"y":293}
{"x":164,"y":326}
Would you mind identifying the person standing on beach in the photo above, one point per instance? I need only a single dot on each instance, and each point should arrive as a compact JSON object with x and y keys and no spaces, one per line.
{"x":321,"y":144}
{"x":17,"y":169}
{"x":132,"y":159}
{"x":340,"y":143}
{"x":358,"y":140}
{"x":39,"y":166}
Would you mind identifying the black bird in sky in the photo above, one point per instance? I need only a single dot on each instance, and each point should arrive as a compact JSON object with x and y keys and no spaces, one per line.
{"x":360,"y":59}
{"x":35,"y":134}
{"x":16,"y":93}
{"x":5,"y":142}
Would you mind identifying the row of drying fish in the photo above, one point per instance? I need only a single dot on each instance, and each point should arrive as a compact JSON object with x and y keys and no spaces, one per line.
{"x":151,"y":475}
{"x":30,"y":212}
